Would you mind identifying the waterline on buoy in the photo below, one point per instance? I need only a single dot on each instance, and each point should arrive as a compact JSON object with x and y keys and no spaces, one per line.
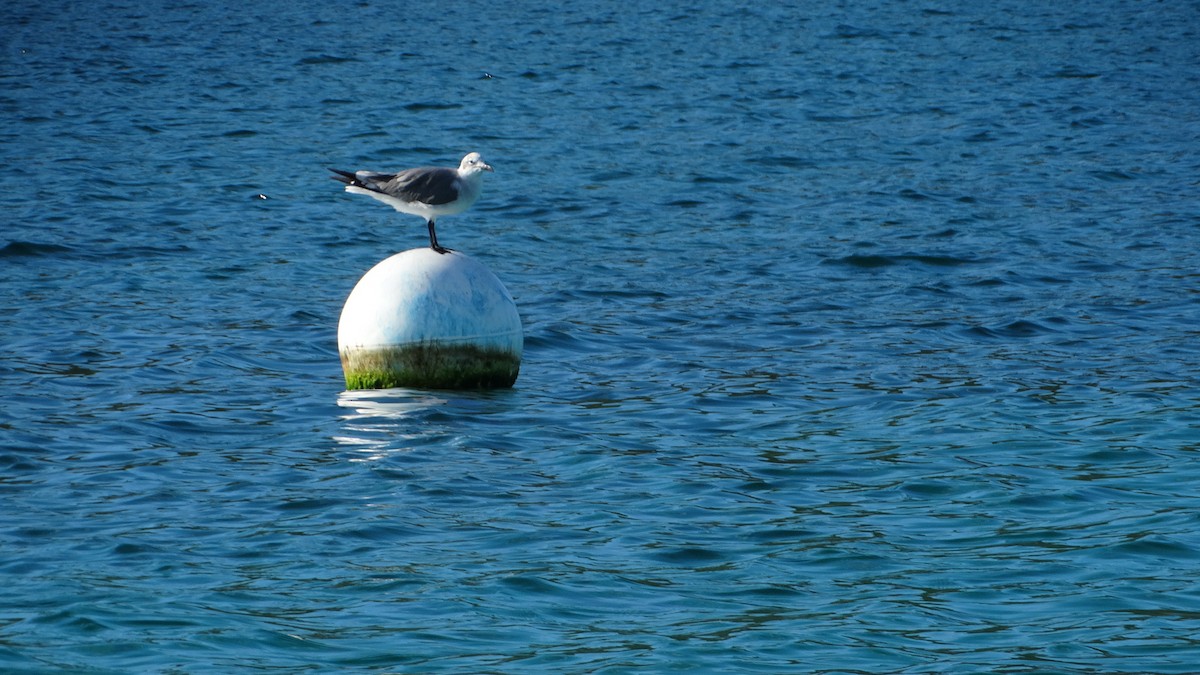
{"x":438,"y":365}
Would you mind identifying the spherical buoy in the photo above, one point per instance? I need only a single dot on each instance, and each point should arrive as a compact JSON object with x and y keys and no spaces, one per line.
{"x":430,"y":320}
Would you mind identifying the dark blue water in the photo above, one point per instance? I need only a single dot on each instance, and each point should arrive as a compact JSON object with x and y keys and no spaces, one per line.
{"x":860,"y":337}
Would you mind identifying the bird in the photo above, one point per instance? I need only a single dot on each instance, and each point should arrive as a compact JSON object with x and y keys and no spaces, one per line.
{"x":427,"y":191}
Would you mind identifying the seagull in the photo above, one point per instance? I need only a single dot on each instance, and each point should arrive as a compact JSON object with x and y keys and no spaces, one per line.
{"x":428,"y":191}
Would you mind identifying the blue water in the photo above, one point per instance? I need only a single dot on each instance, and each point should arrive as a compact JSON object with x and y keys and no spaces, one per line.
{"x":859,"y":337}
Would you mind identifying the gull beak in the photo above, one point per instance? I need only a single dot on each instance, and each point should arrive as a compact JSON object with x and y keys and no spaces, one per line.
{"x":487,"y":167}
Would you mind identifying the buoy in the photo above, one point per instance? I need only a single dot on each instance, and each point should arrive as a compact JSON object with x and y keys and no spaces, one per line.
{"x":425,"y":319}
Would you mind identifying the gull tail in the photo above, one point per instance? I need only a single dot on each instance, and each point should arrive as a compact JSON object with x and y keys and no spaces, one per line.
{"x":346,"y":177}
{"x":362,"y":182}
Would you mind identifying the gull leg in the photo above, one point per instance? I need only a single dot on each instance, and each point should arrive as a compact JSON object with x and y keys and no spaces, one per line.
{"x":433,"y":242}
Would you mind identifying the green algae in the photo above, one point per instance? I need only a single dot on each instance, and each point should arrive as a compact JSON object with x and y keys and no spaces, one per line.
{"x":430,"y":366}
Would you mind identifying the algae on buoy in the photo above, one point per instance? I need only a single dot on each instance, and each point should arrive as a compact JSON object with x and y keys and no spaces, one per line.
{"x":430,"y":320}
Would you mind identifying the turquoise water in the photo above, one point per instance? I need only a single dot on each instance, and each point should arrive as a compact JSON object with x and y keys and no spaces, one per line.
{"x":858,"y":338}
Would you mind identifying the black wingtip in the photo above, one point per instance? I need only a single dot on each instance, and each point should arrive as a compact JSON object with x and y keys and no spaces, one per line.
{"x":343,"y":176}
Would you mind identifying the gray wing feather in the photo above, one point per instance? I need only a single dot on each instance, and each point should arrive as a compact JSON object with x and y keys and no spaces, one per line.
{"x":428,"y":185}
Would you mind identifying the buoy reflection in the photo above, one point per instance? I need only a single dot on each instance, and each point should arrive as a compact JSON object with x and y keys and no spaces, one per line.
{"x":378,"y":422}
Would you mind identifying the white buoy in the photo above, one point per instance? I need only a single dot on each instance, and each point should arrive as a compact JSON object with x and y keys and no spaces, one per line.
{"x":430,"y":320}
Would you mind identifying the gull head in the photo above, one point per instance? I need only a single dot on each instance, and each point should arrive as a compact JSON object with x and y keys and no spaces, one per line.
{"x":472,"y":164}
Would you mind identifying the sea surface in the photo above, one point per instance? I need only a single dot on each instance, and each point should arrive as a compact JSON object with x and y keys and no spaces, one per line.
{"x":860,"y":337}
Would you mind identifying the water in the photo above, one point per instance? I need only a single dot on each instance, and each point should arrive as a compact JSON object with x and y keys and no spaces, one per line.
{"x":859,"y":338}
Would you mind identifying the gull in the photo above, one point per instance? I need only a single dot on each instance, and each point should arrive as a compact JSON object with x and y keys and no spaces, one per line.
{"x":427,"y":191}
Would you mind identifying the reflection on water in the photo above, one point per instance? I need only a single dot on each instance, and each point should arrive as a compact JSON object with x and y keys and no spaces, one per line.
{"x":381,"y":421}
